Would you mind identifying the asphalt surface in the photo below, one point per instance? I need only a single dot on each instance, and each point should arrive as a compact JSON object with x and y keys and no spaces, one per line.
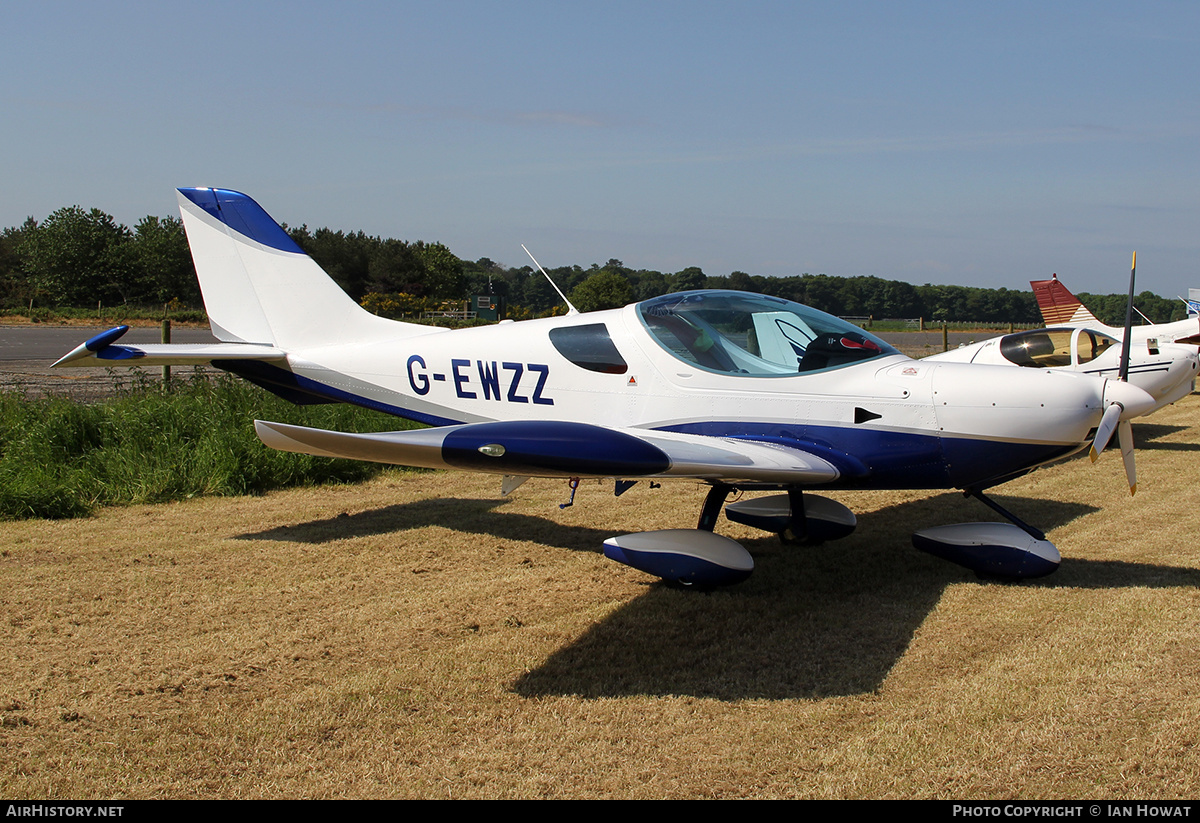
{"x":26,"y":353}
{"x":39,"y":343}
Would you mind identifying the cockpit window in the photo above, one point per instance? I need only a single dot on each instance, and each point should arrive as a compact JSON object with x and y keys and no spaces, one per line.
{"x":589,"y":347}
{"x":1039,"y":349}
{"x":752,"y":334}
{"x":1048,"y":348}
{"x":1092,"y":344}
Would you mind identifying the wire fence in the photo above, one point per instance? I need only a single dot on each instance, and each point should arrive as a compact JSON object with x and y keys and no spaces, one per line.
{"x":33,"y":380}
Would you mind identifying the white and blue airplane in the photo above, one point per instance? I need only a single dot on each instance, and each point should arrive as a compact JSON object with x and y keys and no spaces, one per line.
{"x":1165,"y":370}
{"x":740,"y":391}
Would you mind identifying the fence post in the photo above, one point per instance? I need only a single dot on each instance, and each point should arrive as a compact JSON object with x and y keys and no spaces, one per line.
{"x":166,"y":338}
{"x":945,"y":337}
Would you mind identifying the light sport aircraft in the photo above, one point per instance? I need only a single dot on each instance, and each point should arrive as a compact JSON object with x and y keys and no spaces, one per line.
{"x":740,"y":391}
{"x":1167,"y":371}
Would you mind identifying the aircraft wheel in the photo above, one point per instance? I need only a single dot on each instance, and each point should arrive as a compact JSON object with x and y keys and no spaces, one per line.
{"x":680,"y":585}
{"x":788,"y":538}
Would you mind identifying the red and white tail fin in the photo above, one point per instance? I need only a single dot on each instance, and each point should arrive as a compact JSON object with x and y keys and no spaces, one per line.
{"x":1060,"y":307}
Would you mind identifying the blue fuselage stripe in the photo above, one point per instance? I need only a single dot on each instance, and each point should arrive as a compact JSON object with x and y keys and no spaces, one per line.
{"x":881,"y":459}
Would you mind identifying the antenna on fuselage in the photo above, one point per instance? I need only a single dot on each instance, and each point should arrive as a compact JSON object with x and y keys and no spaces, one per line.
{"x":570,"y":309}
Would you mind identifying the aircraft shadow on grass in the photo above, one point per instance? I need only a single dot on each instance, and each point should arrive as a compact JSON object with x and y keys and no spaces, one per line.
{"x":812,"y":622}
{"x":469,"y":515}
{"x":1149,"y":437}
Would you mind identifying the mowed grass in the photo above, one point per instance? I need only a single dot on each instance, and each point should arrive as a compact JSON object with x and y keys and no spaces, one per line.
{"x":418,"y":636}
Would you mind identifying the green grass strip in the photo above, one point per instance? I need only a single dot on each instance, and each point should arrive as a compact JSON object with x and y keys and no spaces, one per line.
{"x":60,"y":458}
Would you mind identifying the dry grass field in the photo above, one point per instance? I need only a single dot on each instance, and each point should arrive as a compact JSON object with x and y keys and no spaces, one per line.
{"x":418,"y":636}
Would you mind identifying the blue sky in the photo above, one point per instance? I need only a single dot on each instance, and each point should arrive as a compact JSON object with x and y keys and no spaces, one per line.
{"x":974,"y":143}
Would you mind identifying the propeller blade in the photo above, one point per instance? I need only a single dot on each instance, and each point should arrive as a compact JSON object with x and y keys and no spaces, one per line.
{"x":1125,"y":435}
{"x":1124,"y":373}
{"x":1104,"y":433}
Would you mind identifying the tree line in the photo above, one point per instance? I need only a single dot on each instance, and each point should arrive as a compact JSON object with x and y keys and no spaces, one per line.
{"x":77,"y":257}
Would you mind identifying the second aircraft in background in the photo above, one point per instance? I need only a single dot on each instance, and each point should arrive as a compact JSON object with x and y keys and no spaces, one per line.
{"x":1159,"y":365}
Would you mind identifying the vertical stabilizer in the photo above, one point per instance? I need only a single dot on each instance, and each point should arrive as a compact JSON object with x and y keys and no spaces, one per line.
{"x":260,"y":287}
{"x":1060,"y":307}
{"x":1193,"y":303}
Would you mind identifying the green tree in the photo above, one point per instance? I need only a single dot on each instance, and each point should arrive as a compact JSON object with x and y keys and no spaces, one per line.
{"x":443,"y":270}
{"x":394,"y":268}
{"x":536,"y":293}
{"x":892,"y":298}
{"x":603,"y":290}
{"x":161,"y":263}
{"x":651,"y":284}
{"x":344,"y":257}
{"x":77,"y":257}
{"x":15,"y":287}
{"x":740,"y":281}
{"x":690,"y":278}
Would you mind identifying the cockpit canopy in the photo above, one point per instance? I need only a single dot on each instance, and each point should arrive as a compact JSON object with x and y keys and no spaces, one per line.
{"x":751,"y":334}
{"x":1048,"y":348}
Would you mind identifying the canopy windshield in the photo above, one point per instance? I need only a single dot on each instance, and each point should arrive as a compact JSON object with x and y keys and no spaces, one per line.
{"x":1050,"y":348}
{"x":755,"y":335}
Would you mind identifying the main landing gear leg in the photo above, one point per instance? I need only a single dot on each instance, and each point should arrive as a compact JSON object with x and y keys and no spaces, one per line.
{"x":713,"y":504}
{"x":797,"y":529}
{"x":1037,"y":534}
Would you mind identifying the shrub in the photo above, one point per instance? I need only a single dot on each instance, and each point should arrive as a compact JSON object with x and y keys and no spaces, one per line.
{"x":60,"y":458}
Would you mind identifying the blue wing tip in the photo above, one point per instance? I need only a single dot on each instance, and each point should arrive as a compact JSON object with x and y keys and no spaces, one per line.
{"x":105,"y":339}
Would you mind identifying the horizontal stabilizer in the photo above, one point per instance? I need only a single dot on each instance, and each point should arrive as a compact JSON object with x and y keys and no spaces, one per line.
{"x":167,"y":354}
{"x":559,"y":449}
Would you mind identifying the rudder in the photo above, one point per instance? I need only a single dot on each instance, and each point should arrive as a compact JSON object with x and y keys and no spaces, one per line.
{"x":1059,"y":307}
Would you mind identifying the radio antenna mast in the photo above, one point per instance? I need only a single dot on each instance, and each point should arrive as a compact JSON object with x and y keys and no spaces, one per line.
{"x":570,"y":309}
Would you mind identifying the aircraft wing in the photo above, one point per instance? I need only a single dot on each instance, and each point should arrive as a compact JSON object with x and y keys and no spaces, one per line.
{"x":561,"y":449}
